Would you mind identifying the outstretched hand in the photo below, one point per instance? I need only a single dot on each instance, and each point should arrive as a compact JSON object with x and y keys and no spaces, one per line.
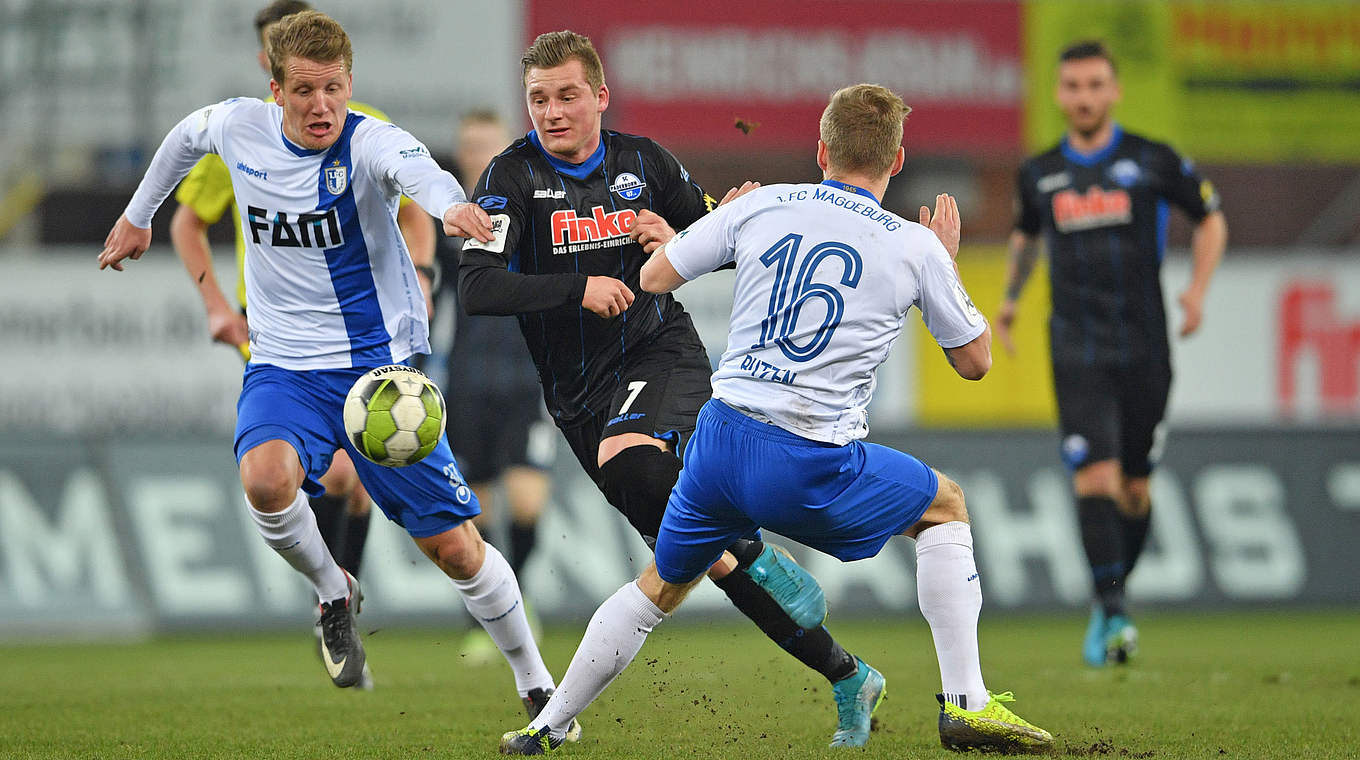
{"x":945,"y":223}
{"x":124,"y":242}
{"x":468,"y":220}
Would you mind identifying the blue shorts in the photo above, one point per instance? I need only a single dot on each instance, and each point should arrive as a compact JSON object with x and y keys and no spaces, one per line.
{"x":741,"y":475}
{"x":304,"y":409}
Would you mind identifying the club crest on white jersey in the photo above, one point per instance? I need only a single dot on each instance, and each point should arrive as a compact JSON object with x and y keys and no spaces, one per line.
{"x":337,"y":178}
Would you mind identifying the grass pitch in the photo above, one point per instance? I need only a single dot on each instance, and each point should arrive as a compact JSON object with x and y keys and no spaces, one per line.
{"x":1261,"y":685}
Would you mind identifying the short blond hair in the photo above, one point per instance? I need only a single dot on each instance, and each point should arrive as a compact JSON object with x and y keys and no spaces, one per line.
{"x":311,"y":35}
{"x":862,"y":128}
{"x":552,"y":49}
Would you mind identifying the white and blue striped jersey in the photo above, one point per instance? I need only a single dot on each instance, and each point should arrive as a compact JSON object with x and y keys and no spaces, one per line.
{"x":825,"y":277}
{"x":328,"y":278}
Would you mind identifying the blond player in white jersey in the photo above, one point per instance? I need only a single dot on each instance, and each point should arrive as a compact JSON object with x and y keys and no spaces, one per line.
{"x":825,"y":278}
{"x":332,"y":294}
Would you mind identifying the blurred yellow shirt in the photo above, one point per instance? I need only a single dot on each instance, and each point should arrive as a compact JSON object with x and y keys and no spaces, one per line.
{"x":207,"y":190}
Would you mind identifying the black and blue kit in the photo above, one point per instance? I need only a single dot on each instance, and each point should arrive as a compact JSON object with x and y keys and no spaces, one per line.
{"x":1103,"y":217}
{"x":645,"y":371}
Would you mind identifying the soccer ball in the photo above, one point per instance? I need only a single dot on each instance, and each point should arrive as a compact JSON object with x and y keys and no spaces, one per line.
{"x":394,"y":415}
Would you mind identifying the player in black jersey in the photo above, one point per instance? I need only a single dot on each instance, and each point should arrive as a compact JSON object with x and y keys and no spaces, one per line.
{"x":571,"y":212}
{"x":1100,"y":199}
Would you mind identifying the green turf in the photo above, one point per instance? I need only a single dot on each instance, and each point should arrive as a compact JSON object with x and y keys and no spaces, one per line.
{"x":1263,"y":685}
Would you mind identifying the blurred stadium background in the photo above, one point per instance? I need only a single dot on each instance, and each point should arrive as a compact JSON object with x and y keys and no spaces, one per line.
{"x":120,"y":510}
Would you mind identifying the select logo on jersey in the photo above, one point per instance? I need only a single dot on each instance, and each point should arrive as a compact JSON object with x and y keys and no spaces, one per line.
{"x":573,"y":234}
{"x":337,"y":178}
{"x":628,"y":186}
{"x":492,"y":202}
{"x":1125,"y":172}
{"x":314,"y":229}
{"x":1097,"y":207}
{"x":553,"y":194}
{"x":250,"y":171}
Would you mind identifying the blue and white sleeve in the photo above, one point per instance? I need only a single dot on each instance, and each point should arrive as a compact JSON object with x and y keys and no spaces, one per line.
{"x":193,"y":137}
{"x":403,"y":161}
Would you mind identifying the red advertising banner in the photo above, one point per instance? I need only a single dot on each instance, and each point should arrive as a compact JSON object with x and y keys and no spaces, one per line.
{"x":696,"y":73}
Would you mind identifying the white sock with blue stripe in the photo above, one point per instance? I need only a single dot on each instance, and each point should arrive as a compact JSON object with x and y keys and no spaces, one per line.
{"x":950,"y":594}
{"x":294,"y":535}
{"x":493,"y":598}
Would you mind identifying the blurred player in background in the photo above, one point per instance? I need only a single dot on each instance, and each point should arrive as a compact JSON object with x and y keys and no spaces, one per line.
{"x":333,"y":293}
{"x":204,"y":196}
{"x":498,"y":426}
{"x":1100,"y":199}
{"x":779,"y":444}
{"x":575,"y":210}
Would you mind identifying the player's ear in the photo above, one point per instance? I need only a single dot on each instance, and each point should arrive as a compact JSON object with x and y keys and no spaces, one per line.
{"x":898,"y":161}
{"x":821,"y":156}
{"x":603,"y":97}
{"x":277,"y":90}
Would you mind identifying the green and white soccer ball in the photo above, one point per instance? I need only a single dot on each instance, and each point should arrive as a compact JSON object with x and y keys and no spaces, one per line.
{"x":394,"y":415}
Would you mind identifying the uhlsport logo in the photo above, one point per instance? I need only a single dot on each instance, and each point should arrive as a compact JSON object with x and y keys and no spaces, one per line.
{"x":628,"y":186}
{"x":251,"y":171}
{"x":337,"y":178}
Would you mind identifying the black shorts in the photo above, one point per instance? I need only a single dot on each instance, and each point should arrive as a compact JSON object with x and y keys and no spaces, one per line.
{"x":1108,"y":412}
{"x":659,"y":394}
{"x":490,"y":433}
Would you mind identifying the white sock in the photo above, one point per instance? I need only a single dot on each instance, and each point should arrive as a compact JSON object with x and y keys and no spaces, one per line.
{"x":294,"y":535}
{"x":613,"y":638}
{"x":493,"y":598}
{"x":950,"y":595}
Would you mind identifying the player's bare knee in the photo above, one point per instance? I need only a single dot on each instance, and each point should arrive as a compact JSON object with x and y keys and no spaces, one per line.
{"x":459,"y":552}
{"x":271,"y":482}
{"x":1103,"y":478}
{"x":1136,"y":501}
{"x":615,"y":444}
{"x":949,"y":504}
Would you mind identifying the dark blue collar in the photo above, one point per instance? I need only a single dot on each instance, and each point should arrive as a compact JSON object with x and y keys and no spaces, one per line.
{"x":1091,"y":159}
{"x":298,"y":150}
{"x":851,"y":189}
{"x":575,"y":171}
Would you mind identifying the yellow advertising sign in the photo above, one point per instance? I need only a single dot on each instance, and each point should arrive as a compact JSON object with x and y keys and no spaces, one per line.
{"x":1137,"y":34}
{"x":1229,"y":80}
{"x":1019,"y":389}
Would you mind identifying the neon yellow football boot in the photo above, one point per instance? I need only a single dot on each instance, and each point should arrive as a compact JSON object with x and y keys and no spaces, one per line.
{"x":994,"y":728}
